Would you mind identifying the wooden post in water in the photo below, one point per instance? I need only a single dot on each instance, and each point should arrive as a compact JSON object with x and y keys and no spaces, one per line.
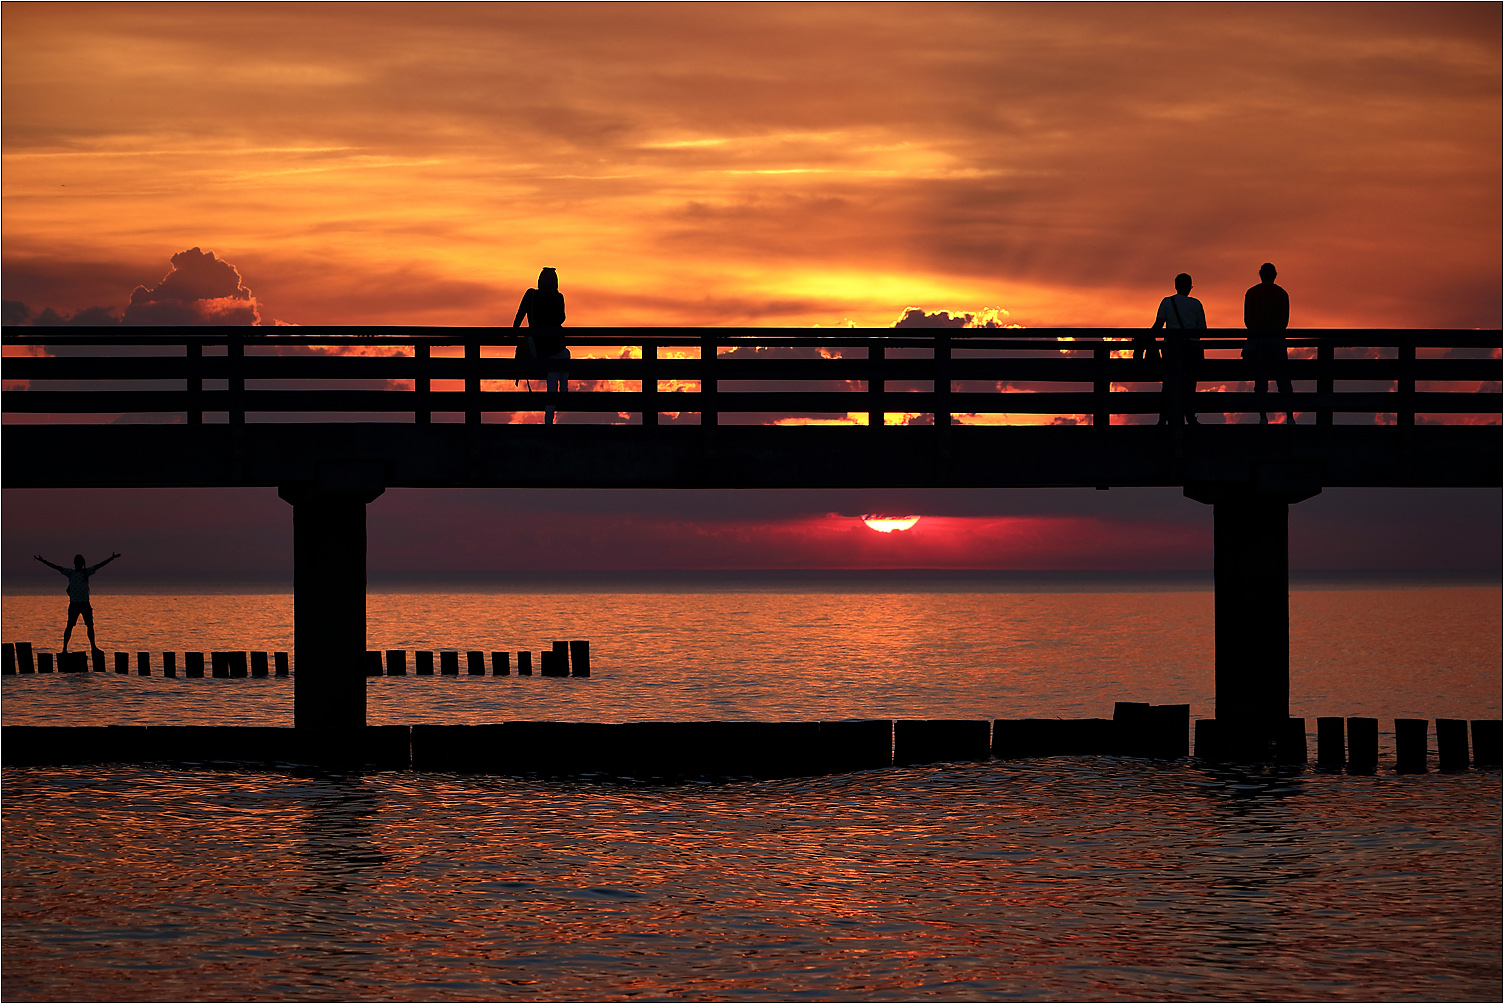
{"x":396,"y":662}
{"x":123,"y":663}
{"x":237,"y":664}
{"x":1331,"y":742}
{"x":169,"y":664}
{"x":143,"y":663}
{"x":1451,"y":744}
{"x":1487,"y":737}
{"x":280,"y":660}
{"x":259,"y":665}
{"x":475,"y":664}
{"x":1410,"y":745}
{"x":24,"y":657}
{"x":44,"y":662}
{"x":423,"y":663}
{"x":524,"y":664}
{"x":1362,"y":745}
{"x":449,"y":662}
{"x":219,"y":665}
{"x":9,"y":650}
{"x":501,"y":664}
{"x":98,"y":657}
{"x":193,"y":664}
{"x":561,"y":658}
{"x":373,"y":663}
{"x":579,"y":658}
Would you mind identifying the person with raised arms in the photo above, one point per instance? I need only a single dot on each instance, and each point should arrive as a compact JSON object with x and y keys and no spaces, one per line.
{"x":78,"y":594}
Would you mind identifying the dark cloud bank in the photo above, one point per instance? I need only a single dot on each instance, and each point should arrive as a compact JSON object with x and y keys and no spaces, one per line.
{"x":198,"y":289}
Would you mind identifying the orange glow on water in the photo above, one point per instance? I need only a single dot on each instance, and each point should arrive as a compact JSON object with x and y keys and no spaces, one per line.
{"x":888,"y":524}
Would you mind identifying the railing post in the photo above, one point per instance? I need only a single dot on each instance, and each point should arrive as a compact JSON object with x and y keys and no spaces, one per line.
{"x":1325,"y":356}
{"x":876,"y":354}
{"x":649,"y":383}
{"x":1173,"y":389}
{"x":421,"y":413}
{"x":195,"y":354}
{"x":235,"y":375}
{"x":942,"y":379}
{"x":1100,"y":389}
{"x":1404,"y":412}
{"x":709,"y":406}
{"x":472,"y":380}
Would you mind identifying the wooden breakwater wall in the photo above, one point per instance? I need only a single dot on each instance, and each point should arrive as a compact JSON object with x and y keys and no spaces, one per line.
{"x":654,"y":749}
{"x":564,"y":658}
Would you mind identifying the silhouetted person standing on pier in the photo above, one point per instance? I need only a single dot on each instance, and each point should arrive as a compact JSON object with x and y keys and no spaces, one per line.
{"x":78,"y":594}
{"x":1266,"y":311}
{"x":544,"y":309}
{"x":1183,"y":353}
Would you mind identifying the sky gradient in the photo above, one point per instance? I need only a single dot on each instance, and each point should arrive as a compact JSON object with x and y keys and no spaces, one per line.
{"x":778,"y":165}
{"x":763,"y":165}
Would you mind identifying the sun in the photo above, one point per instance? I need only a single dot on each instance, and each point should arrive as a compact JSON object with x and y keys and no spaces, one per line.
{"x":888,"y":524}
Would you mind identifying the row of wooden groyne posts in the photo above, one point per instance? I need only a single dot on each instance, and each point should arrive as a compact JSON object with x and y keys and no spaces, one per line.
{"x":565,"y":658}
{"x":743,"y":749}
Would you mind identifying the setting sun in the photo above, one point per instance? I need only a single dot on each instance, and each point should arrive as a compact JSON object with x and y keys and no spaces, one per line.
{"x":887,"y":524}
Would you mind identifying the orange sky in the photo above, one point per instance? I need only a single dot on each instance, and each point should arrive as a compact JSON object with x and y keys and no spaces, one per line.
{"x":762,"y":165}
{"x":743,"y":164}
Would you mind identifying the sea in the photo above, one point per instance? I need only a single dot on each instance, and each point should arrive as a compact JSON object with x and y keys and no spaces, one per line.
{"x":1058,"y":878}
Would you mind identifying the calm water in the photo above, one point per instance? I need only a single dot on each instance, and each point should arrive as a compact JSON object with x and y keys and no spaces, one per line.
{"x":768,"y":655}
{"x":1065,"y":878}
{"x":1053,"y":879}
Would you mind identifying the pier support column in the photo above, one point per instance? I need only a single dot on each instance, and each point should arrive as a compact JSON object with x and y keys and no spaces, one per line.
{"x":1252,"y":610}
{"x":329,"y":603}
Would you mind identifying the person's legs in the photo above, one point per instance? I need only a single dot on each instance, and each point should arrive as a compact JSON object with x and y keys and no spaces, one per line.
{"x":72,"y":620}
{"x":1285,"y":387}
{"x":558,"y":383}
{"x":89,"y":625}
{"x":553,"y":381}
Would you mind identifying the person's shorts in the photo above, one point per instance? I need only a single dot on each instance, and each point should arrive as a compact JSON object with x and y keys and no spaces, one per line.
{"x":75,"y":610}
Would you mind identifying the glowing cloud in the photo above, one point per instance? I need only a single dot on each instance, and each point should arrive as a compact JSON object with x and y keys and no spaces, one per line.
{"x":199,"y":289}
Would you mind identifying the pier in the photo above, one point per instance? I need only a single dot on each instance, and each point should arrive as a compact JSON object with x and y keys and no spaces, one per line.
{"x":726,"y":749}
{"x":332,"y":417}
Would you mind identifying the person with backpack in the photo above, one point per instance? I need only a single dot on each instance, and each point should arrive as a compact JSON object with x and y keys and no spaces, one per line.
{"x":543,"y":308}
{"x":1183,"y":353}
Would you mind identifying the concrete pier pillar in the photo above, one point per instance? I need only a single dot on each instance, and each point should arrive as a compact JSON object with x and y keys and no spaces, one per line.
{"x":329,"y":603}
{"x":1252,"y":608}
{"x":1252,"y":572}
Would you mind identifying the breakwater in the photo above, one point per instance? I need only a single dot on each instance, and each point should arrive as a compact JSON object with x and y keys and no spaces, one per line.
{"x":724,"y":749}
{"x":563,"y":658}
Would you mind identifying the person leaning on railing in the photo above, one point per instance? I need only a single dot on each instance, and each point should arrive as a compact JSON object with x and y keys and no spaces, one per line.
{"x":544,"y":309}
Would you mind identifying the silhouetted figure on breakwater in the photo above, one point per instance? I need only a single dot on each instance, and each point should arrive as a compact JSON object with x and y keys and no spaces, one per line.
{"x":1181,"y":313}
{"x":1266,"y":311}
{"x":544,"y":309}
{"x":78,"y":594}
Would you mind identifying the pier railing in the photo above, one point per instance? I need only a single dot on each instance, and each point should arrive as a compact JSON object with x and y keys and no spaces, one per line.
{"x":735,"y":376}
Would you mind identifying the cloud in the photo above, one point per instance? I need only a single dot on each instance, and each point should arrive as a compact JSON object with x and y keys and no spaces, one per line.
{"x":1067,"y":160}
{"x":987,"y":317}
{"x":18,"y":313}
{"x":200,"y":289}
